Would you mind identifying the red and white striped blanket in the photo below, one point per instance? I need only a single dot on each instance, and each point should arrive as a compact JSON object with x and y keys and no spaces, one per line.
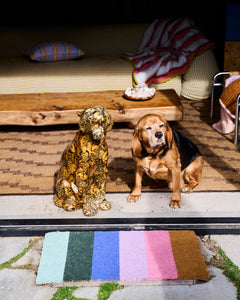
{"x":167,"y":49}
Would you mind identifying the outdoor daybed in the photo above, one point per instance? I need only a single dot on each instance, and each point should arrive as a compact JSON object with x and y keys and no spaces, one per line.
{"x":102,"y":67}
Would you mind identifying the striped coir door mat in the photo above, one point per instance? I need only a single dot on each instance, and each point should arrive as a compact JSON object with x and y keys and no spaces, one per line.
{"x":124,"y":256}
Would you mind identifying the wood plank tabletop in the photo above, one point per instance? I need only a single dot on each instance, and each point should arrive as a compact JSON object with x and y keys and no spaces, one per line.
{"x":61,"y":108}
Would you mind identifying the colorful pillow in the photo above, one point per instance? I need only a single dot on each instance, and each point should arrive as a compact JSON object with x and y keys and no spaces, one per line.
{"x":54,"y":51}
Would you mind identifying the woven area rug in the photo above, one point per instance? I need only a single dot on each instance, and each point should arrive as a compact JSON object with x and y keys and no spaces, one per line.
{"x":124,"y":256}
{"x":29,"y":157}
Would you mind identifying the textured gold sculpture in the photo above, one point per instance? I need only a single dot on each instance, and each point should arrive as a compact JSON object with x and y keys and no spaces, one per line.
{"x":81,"y":180}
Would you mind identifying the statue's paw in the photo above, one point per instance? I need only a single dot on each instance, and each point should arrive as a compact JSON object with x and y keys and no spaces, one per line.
{"x":58,"y":201}
{"x":71,"y":204}
{"x":90,"y":210}
{"x":105,"y":205}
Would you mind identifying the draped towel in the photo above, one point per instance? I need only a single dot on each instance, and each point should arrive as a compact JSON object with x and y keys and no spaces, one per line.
{"x":227,"y":102}
{"x":167,"y":49}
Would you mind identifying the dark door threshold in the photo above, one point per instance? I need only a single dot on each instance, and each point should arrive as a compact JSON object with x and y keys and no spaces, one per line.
{"x":201,"y":225}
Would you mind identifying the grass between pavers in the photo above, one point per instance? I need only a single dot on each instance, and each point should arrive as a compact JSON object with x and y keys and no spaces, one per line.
{"x":14,"y":259}
{"x":66,"y":293}
{"x":105,"y":290}
{"x":230,"y":270}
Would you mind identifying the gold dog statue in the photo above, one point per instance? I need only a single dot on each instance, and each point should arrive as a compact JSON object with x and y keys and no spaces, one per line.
{"x":81,"y":179}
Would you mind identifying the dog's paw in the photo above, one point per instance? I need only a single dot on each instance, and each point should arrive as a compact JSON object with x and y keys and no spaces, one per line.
{"x":133,"y":198}
{"x":186,"y":190}
{"x":105,"y":205}
{"x":175,"y":203}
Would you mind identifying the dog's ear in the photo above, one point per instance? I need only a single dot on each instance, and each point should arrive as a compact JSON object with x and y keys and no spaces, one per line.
{"x":80,"y":113}
{"x":136,"y":143}
{"x":81,"y":121}
{"x":169,"y":136}
{"x":108,"y":121}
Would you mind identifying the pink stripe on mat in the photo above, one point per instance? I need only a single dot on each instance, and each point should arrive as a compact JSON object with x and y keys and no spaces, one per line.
{"x":132,"y":256}
{"x":161,"y":264}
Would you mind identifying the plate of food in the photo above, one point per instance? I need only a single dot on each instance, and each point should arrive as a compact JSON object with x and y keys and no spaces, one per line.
{"x":140,"y":92}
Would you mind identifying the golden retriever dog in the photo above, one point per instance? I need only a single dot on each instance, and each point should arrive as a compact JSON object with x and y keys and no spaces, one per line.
{"x":163,"y":153}
{"x":81,"y":179}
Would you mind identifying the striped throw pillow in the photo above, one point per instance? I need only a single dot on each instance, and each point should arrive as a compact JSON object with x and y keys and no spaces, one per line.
{"x":53,"y":51}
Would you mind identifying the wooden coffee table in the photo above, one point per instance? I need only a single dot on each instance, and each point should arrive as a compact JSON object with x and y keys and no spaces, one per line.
{"x":61,"y":108}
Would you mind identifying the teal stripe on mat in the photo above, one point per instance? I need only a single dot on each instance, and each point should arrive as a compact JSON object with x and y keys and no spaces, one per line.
{"x":53,"y":258}
{"x":79,"y":256}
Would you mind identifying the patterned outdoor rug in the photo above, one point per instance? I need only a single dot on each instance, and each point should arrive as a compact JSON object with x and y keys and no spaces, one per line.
{"x":29,"y":157}
{"x":124,"y":256}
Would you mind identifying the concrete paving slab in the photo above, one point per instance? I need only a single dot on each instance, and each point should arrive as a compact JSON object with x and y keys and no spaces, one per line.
{"x":196,"y":204}
{"x":32,"y":257}
{"x":231,"y":246}
{"x":206,"y":253}
{"x":20,"y":284}
{"x":11,"y":246}
{"x":218,"y":288}
{"x":86,"y":293}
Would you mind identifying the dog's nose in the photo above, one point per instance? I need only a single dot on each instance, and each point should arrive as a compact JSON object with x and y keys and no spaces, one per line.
{"x":158,"y":135}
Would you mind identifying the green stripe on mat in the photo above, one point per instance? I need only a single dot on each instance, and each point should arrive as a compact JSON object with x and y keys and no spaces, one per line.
{"x":79,"y":256}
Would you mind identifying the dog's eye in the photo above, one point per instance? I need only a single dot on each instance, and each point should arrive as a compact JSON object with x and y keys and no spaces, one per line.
{"x":149,"y":128}
{"x":161,"y":126}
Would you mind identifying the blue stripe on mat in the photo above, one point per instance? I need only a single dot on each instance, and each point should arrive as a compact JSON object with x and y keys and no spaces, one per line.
{"x":53,"y":258}
{"x":105,"y":262}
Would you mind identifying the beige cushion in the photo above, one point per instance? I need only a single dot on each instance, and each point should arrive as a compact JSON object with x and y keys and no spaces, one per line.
{"x":90,"y":73}
{"x":175,"y":83}
{"x":197,"y":80}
